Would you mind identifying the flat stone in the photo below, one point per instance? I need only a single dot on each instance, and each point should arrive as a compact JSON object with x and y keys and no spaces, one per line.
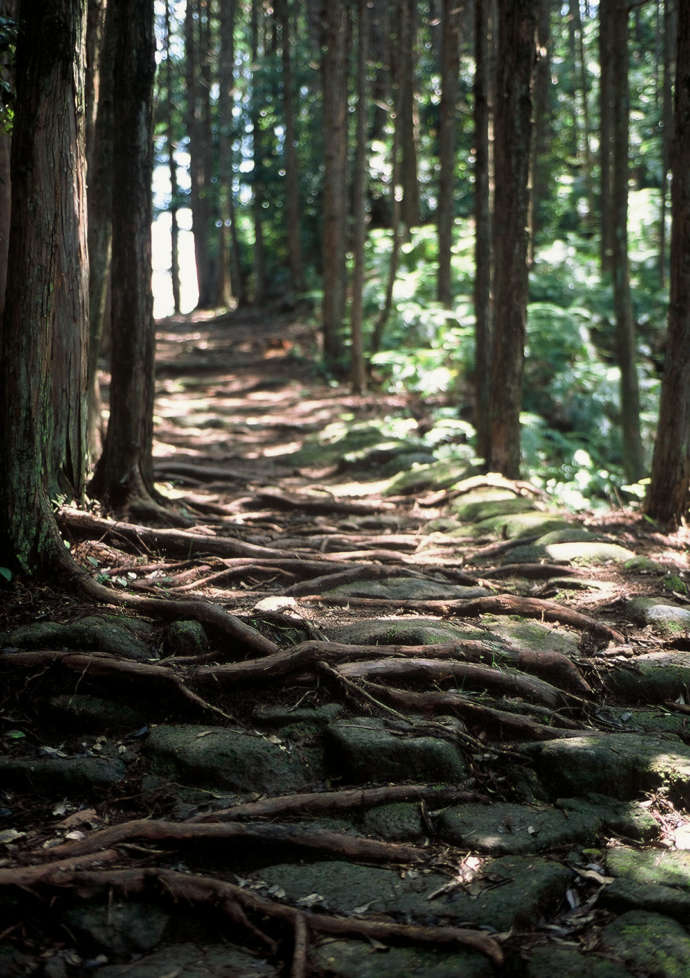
{"x":545,"y":962}
{"x":503,"y":829}
{"x":527,"y":886}
{"x":474,"y":511}
{"x":669,"y":867}
{"x":618,"y":764}
{"x":653,"y":943}
{"x":654,"y":677}
{"x":628,"y":818}
{"x":363,"y":750}
{"x":96,"y":633}
{"x":186,"y":638}
{"x":529,"y":636}
{"x":634,"y":719}
{"x":402,"y":631}
{"x":193,"y":961}
{"x":406,"y":588}
{"x":360,"y":959}
{"x":669,"y":620}
{"x":117,"y":927}
{"x":625,"y":894}
{"x":574,"y":533}
{"x":436,"y":475}
{"x":522,"y":524}
{"x":80,"y":711}
{"x":62,"y":774}
{"x":578,"y":552}
{"x":395,"y":822}
{"x":222,"y":758}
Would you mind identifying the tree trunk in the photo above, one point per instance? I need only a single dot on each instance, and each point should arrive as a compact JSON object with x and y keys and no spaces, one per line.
{"x":667,"y":498}
{"x":7,"y":9}
{"x":450,"y":62}
{"x":124,"y":474}
{"x":292,"y":204}
{"x":606,"y":82}
{"x":44,"y":330}
{"x":583,"y":87}
{"x":666,"y":126}
{"x":226,"y":100}
{"x":197,"y":156}
{"x":482,"y":217}
{"x":359,"y":374}
{"x":513,"y":124}
{"x":333,"y":67}
{"x":541,"y":139}
{"x":633,"y":465}
{"x":257,"y":174}
{"x":172,"y":164}
{"x":100,"y":202}
{"x":408,"y":113}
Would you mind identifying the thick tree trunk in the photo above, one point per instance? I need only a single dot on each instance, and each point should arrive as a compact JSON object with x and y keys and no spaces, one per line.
{"x":513,"y":125}
{"x":333,"y":67}
{"x":633,"y":465}
{"x":100,"y":201}
{"x":541,"y":141}
{"x":292,"y":203}
{"x":359,"y":374}
{"x":44,"y":330}
{"x":450,"y":61}
{"x":482,"y":217}
{"x":667,"y":498}
{"x":124,"y":474}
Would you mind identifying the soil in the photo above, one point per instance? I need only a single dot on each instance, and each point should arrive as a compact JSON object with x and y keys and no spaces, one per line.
{"x":351,"y":704}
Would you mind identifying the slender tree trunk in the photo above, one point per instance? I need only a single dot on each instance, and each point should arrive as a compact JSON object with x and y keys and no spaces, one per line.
{"x":226,"y":100}
{"x":44,"y":331}
{"x":99,"y":196}
{"x":333,"y":66}
{"x":7,"y":9}
{"x":666,"y":126}
{"x":408,"y":113}
{"x":197,"y":173}
{"x":292,"y":204}
{"x":667,"y":498}
{"x":172,"y":165}
{"x":541,"y":138}
{"x":450,"y":62}
{"x":606,"y":100}
{"x":584,"y":102}
{"x":359,"y":374}
{"x":482,"y":217}
{"x":124,"y":474}
{"x":513,"y":123}
{"x":258,"y":175}
{"x":633,"y":464}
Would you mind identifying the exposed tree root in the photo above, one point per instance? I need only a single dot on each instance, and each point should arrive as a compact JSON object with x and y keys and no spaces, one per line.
{"x":317,"y":840}
{"x":309,"y":504}
{"x":496,"y":604}
{"x":341,"y":801}
{"x":499,"y":723}
{"x":235,"y":902}
{"x":532,"y":571}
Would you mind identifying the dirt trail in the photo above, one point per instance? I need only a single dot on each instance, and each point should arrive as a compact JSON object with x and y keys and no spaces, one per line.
{"x":354,"y":707}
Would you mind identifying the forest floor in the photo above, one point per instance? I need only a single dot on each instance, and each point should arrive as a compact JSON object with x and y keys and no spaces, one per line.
{"x":359,"y":708}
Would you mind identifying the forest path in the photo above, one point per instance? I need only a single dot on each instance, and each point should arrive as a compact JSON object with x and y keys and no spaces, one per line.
{"x":441,"y":727}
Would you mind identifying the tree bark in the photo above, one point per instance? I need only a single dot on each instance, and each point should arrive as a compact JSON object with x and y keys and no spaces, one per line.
{"x":7,"y":9}
{"x":408,"y":113}
{"x":482,"y":217}
{"x":44,"y":330}
{"x":226,"y":100}
{"x":541,"y":160}
{"x":450,"y":63}
{"x":666,"y":127}
{"x":633,"y":464}
{"x":292,"y":202}
{"x":100,"y":49}
{"x":606,"y":100}
{"x":667,"y":498}
{"x":257,"y":174}
{"x":124,"y":474}
{"x":172,"y":164}
{"x":333,"y":67}
{"x":359,"y":374}
{"x":513,"y":124}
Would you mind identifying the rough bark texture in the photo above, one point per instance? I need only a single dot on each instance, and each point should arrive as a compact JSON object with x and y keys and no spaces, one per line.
{"x":100,"y":48}
{"x":606,"y":133}
{"x":516,"y":61}
{"x":42,"y":368}
{"x":172,"y":164}
{"x":667,"y":499}
{"x":450,"y":60}
{"x":408,"y":113}
{"x":333,"y":67}
{"x":7,"y":9}
{"x":125,"y":472}
{"x":226,"y":99}
{"x":633,"y":464}
{"x":359,"y":375}
{"x":482,"y":218}
{"x":541,"y":161}
{"x":257,"y":175}
{"x":198,"y":176}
